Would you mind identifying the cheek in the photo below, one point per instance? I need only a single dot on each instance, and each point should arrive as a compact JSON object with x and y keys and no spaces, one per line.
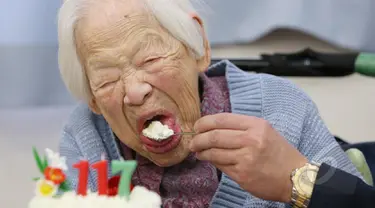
{"x":171,"y":79}
{"x":111,"y":101}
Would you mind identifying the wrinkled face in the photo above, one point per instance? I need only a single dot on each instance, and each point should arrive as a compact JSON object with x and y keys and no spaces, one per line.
{"x":138,"y":73}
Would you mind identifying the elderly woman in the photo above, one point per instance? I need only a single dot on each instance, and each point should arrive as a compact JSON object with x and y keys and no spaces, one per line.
{"x":136,"y":61}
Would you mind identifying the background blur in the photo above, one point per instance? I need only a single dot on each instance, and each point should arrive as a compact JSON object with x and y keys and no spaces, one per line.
{"x":34,"y":103}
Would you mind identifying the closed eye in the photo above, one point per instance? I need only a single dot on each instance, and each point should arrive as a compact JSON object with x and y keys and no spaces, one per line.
{"x":103,"y":87}
{"x":106,"y":85}
{"x":152,"y":59}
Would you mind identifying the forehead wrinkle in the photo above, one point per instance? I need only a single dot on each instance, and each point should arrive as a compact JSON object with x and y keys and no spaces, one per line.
{"x":123,"y":51}
{"x":108,"y":36}
{"x":123,"y":35}
{"x":150,"y":39}
{"x":111,"y":32}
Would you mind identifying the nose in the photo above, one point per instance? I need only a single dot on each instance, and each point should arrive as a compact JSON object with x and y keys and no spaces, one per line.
{"x":136,"y":94}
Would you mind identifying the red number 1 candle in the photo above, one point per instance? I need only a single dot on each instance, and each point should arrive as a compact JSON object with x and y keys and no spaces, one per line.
{"x":83,"y":173}
{"x":102,"y":170}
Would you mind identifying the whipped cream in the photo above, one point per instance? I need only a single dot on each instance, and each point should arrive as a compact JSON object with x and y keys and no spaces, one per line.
{"x":157,"y":131}
{"x":139,"y":197}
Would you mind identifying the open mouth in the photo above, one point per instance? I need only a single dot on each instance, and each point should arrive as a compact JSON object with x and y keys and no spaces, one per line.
{"x":157,"y":130}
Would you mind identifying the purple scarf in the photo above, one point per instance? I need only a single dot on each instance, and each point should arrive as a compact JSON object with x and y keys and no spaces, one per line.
{"x":192,"y":183}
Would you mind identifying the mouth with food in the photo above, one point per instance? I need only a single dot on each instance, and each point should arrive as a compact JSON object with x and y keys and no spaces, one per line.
{"x":157,"y":132}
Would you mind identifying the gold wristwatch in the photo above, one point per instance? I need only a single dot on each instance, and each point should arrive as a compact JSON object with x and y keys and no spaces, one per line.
{"x":303,"y":180}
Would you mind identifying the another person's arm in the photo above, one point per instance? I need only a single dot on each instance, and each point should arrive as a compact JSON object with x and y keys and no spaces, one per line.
{"x":335,"y":188}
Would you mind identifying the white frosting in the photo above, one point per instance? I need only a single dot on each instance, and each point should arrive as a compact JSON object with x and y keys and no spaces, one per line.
{"x":139,"y":197}
{"x":157,"y":131}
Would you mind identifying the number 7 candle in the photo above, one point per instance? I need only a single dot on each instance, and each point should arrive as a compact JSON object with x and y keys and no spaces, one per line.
{"x":127,"y":168}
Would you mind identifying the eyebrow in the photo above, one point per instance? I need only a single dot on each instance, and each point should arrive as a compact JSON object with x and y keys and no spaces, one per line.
{"x":104,"y":58}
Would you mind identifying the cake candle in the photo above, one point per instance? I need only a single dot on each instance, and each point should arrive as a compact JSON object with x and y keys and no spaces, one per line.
{"x":102,"y":169}
{"x":127,"y":168}
{"x":83,"y":173}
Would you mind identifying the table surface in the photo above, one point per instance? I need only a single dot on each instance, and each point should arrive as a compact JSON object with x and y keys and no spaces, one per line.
{"x":345,"y":105}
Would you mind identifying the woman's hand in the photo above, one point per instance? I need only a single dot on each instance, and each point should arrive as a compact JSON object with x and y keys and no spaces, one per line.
{"x":249,"y":151}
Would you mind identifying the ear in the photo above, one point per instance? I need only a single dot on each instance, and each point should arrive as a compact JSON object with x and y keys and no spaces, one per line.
{"x":205,"y":61}
{"x":94,"y":106}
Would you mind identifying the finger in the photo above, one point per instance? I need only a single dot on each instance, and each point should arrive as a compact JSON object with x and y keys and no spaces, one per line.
{"x":224,"y":121}
{"x":227,"y":169}
{"x":218,"y":156}
{"x":219,"y":138}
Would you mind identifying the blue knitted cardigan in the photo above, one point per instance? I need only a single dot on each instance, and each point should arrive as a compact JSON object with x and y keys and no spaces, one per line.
{"x":290,"y":111}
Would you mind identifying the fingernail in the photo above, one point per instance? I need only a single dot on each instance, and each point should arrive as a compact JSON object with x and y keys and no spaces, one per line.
{"x":196,"y":155}
{"x":191,"y":147}
{"x":126,"y":100}
{"x":195,"y":130}
{"x":195,"y":127}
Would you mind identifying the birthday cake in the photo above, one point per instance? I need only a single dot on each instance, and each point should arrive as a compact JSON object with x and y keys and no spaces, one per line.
{"x":52,"y":189}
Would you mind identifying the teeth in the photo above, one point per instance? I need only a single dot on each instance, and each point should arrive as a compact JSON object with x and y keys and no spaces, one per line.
{"x":157,"y":131}
{"x":149,"y":118}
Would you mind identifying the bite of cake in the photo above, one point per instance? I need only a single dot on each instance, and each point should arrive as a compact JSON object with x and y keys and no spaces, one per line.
{"x":156,"y":130}
{"x":159,"y":131}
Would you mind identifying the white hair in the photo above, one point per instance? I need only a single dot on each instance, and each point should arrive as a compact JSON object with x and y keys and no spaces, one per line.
{"x":174,"y":15}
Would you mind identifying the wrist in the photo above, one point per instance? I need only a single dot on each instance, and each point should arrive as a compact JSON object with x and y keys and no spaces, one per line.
{"x":287,"y":193}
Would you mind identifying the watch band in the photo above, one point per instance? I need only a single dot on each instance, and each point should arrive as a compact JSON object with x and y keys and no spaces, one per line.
{"x":298,"y":200}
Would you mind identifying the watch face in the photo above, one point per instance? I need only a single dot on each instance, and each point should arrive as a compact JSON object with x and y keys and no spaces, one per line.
{"x":305,"y":180}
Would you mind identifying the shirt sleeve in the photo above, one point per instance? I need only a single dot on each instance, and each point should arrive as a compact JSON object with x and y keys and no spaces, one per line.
{"x":335,"y":188}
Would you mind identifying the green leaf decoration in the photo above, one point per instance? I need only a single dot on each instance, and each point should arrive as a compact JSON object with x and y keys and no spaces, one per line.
{"x":64,"y":186}
{"x":45,"y":162}
{"x":38,"y":160}
{"x":36,"y":179}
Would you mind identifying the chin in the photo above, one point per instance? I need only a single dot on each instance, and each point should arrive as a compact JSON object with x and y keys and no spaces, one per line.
{"x":166,"y":163}
{"x":172,"y":158}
